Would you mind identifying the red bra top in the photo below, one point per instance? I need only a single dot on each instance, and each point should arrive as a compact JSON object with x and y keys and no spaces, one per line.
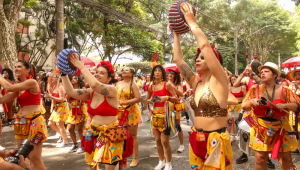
{"x":162,"y":92}
{"x":260,"y":111}
{"x":28,"y":99}
{"x":104,"y":109}
{"x":250,"y":83}
{"x":239,"y":94}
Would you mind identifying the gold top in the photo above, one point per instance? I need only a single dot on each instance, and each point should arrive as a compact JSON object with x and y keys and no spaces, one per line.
{"x":207,"y":106}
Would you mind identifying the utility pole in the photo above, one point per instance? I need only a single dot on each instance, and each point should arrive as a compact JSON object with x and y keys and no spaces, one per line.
{"x":236,"y":52}
{"x":60,"y":35}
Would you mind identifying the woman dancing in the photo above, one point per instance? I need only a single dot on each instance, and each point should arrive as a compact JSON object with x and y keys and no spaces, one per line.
{"x":210,"y":145}
{"x":103,"y":110}
{"x":8,"y":107}
{"x":271,"y":118}
{"x":60,"y":109}
{"x":129,"y":97}
{"x":78,"y":115}
{"x":27,"y":91}
{"x":162,"y":91}
{"x":175,"y":81}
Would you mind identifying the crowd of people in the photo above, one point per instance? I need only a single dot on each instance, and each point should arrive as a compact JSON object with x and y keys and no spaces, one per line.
{"x":105,"y":108}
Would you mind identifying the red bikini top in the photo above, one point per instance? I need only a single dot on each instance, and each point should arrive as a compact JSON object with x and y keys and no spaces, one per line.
{"x":239,"y":94}
{"x":55,"y":94}
{"x":104,"y":109}
{"x":261,"y":111}
{"x":27,"y":99}
{"x":161,"y":93}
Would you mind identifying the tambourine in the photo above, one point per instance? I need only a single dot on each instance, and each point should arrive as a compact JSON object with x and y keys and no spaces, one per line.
{"x":177,"y":21}
{"x":63,"y":61}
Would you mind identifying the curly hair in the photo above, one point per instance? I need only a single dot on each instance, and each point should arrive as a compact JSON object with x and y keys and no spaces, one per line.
{"x":254,"y":65}
{"x":10,"y":74}
{"x":164,"y":76}
{"x":80,"y":81}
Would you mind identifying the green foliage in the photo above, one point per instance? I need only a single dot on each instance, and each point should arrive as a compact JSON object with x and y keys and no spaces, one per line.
{"x":30,"y":3}
{"x":144,"y":66}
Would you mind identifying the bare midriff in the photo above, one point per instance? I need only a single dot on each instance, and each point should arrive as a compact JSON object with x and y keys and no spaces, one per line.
{"x":25,"y":110}
{"x":210,"y":123}
{"x":104,"y":120}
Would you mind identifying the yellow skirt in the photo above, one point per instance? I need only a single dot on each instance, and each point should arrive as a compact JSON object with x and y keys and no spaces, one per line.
{"x":219,"y":154}
{"x":289,"y":141}
{"x":75,"y":119}
{"x":107,"y":153}
{"x":32,"y":128}
{"x":61,"y":114}
{"x":134,"y":115}
{"x":160,"y":121}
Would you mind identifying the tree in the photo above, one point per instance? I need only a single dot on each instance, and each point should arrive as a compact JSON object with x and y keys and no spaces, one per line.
{"x":9,"y":13}
{"x":111,"y":36}
{"x":36,"y":44}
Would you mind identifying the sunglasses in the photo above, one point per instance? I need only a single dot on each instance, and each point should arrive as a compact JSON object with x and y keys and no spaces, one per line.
{"x":201,"y":57}
{"x":171,"y":72}
{"x":270,"y":111}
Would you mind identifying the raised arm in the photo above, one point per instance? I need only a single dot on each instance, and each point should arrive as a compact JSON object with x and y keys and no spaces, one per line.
{"x":173,"y":97}
{"x":184,"y":69}
{"x":104,"y":89}
{"x":211,"y":59}
{"x":80,"y":94}
{"x":61,"y":93}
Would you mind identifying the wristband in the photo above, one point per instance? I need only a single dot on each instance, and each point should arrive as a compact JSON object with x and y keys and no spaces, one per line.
{"x":81,"y":68}
{"x":194,"y":26}
{"x":63,"y":74}
{"x":27,"y":168}
{"x":169,"y":98}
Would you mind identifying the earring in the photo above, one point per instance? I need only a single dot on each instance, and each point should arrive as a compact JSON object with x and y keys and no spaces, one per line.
{"x":27,"y":76}
{"x":162,"y":79}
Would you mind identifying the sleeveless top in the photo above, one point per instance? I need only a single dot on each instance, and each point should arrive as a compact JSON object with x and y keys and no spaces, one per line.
{"x":261,"y":111}
{"x":125,"y":95}
{"x":27,"y":99}
{"x":239,"y":94}
{"x":104,"y":109}
{"x":161,"y":93}
{"x":208,"y":105}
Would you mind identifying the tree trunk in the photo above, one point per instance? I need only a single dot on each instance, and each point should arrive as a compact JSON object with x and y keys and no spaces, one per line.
{"x":60,"y":35}
{"x":9,"y":15}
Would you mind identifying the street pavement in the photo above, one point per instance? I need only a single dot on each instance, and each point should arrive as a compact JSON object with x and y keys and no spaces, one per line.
{"x":58,"y":158}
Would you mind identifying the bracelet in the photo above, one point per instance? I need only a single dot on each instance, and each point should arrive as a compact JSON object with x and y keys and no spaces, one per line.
{"x":81,"y":68}
{"x":169,"y":98}
{"x":63,"y":74}
{"x":26,"y":168}
{"x":194,"y":26}
{"x":125,"y":102}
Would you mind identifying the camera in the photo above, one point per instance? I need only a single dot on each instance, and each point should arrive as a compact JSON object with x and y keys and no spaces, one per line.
{"x":155,"y":99}
{"x":24,"y":149}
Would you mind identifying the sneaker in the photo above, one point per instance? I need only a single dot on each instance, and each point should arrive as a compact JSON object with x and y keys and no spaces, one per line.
{"x":168,"y":166}
{"x":57,"y":134}
{"x":242,"y":159}
{"x":134,"y":162}
{"x":180,"y":149}
{"x":160,"y":165}
{"x":10,"y":124}
{"x":60,"y":139}
{"x":73,"y":148}
{"x":270,"y":164}
{"x":2,"y":148}
{"x":80,"y":150}
{"x":61,"y":145}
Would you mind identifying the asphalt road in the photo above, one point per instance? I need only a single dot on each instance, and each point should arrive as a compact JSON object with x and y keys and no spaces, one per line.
{"x":58,"y":158}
